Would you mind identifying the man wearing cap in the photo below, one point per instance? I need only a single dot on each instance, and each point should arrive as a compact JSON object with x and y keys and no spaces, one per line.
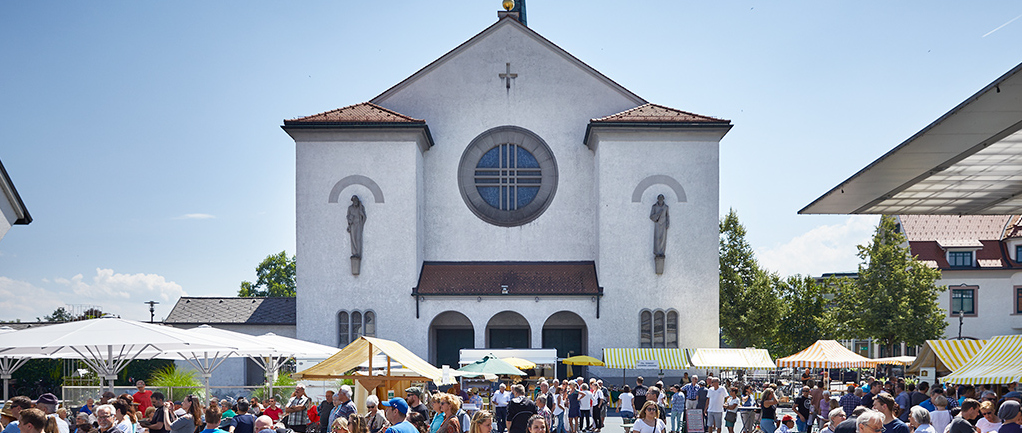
{"x":396,"y":411}
{"x":142,"y":397}
{"x":297,"y":410}
{"x":48,"y":404}
{"x":414,"y":401}
{"x":1010,"y":416}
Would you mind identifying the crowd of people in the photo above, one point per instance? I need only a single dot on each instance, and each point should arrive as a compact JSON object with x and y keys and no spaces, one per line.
{"x":568,"y":406}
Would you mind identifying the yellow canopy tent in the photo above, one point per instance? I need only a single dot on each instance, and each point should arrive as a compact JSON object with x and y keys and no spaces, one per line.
{"x":945,"y":356}
{"x":363,"y":350}
{"x":895,"y":360}
{"x":998,"y":362}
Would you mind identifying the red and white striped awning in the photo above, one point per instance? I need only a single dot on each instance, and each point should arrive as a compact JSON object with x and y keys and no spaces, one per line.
{"x":826,"y":354}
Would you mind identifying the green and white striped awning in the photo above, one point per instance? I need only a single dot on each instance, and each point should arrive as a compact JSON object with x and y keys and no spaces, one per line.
{"x":646,"y":358}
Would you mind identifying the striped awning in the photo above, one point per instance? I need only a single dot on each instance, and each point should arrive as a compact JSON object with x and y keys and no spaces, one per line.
{"x":732,"y":359}
{"x":998,"y":362}
{"x":945,"y":355}
{"x":665,"y":359}
{"x":826,"y":354}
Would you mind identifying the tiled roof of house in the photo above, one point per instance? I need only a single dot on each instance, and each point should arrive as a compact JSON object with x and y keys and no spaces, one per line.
{"x":364,"y":113}
{"x":951,"y":230}
{"x":653,"y":113}
{"x":234,"y":310}
{"x":521,"y":278}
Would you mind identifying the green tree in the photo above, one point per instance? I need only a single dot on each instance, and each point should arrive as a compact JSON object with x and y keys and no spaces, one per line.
{"x":275,"y":276}
{"x":805,"y":318}
{"x":894,"y":300}
{"x":749,"y":305}
{"x":59,"y":315}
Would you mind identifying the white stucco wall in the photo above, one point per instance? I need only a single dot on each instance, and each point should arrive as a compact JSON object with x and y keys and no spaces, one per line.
{"x":553,"y":97}
{"x":7,"y":213}
{"x":995,"y":302}
{"x":689,"y":283}
{"x":391,"y":255}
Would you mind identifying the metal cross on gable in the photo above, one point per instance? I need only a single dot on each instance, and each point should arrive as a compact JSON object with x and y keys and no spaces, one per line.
{"x":507,"y":76}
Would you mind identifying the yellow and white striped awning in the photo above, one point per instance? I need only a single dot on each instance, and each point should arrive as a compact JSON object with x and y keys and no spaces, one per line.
{"x":826,"y":354}
{"x":665,"y":359}
{"x":998,"y":362}
{"x":732,"y":359}
{"x":945,"y":355}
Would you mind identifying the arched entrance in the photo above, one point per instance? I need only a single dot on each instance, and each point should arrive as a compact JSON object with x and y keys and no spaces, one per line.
{"x":508,"y":330}
{"x":449,"y":332}
{"x":566,"y":332}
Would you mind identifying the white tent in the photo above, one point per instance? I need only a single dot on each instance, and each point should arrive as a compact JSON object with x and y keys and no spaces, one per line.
{"x":269,"y":351}
{"x":10,"y":364}
{"x":106,"y":344}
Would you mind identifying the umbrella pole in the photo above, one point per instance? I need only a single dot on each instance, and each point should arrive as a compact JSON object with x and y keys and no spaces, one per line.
{"x":205,"y":380}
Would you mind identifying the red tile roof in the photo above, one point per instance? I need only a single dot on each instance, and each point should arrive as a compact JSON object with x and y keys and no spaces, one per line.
{"x":521,"y":278}
{"x":653,"y":113}
{"x":364,"y":113}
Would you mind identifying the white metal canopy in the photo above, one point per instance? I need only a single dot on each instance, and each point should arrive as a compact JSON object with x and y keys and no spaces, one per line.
{"x":967,"y":162}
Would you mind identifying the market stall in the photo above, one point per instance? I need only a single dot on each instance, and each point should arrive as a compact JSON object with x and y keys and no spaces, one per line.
{"x":998,"y":362}
{"x":941,"y":357}
{"x":826,"y":354}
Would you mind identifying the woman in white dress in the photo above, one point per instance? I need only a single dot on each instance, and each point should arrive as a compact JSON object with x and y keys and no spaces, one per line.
{"x":648,"y":420}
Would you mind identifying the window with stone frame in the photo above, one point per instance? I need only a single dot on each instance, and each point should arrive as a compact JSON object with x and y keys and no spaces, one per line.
{"x":963,"y":299}
{"x":1018,"y":299}
{"x":658,"y":329}
{"x":354,"y":324}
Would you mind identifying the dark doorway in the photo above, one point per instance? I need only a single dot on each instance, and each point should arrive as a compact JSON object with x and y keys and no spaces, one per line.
{"x":509,"y":338}
{"x":568,"y":343}
{"x":449,"y":343}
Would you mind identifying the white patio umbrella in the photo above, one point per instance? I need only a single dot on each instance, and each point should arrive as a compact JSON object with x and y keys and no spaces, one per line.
{"x":106,"y":344}
{"x":10,"y":364}
{"x":269,"y":351}
{"x":295,"y":348}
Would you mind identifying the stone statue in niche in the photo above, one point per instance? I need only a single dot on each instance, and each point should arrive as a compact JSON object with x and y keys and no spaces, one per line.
{"x":356,"y":222}
{"x":661,"y":222}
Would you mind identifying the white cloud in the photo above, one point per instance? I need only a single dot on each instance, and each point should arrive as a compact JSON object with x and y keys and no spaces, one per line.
{"x":827,"y":248}
{"x":121,"y":294}
{"x":195,"y":216}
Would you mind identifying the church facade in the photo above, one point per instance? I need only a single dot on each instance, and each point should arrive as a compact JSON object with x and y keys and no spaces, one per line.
{"x":508,"y":195}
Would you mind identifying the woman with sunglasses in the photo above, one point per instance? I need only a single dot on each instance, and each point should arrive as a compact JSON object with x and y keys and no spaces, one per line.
{"x":340,"y":425}
{"x":988,"y":421}
{"x":376,"y":422}
{"x":450,"y":404}
{"x":648,"y":419}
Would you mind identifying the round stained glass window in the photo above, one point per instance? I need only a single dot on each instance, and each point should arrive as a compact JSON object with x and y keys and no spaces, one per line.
{"x":507,"y":176}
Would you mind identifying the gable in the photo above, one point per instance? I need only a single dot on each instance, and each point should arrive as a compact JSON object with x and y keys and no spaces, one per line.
{"x":491,"y":32}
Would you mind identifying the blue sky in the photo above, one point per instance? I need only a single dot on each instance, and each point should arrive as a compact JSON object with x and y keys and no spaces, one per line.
{"x":144,"y":136}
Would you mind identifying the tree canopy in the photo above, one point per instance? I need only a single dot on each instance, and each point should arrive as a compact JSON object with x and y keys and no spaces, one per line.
{"x":749,"y":305}
{"x":894,"y":300}
{"x":275,"y":277}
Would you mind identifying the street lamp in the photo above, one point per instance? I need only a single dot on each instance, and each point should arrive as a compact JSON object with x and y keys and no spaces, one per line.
{"x":961,"y":319}
{"x":152,"y":312}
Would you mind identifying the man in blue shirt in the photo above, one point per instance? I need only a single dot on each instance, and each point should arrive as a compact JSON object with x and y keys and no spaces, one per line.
{"x":850,"y":401}
{"x":396,"y":410}
{"x":343,"y":406}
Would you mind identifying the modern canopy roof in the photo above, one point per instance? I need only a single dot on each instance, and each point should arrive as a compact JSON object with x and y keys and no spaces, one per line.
{"x":969,"y":161}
